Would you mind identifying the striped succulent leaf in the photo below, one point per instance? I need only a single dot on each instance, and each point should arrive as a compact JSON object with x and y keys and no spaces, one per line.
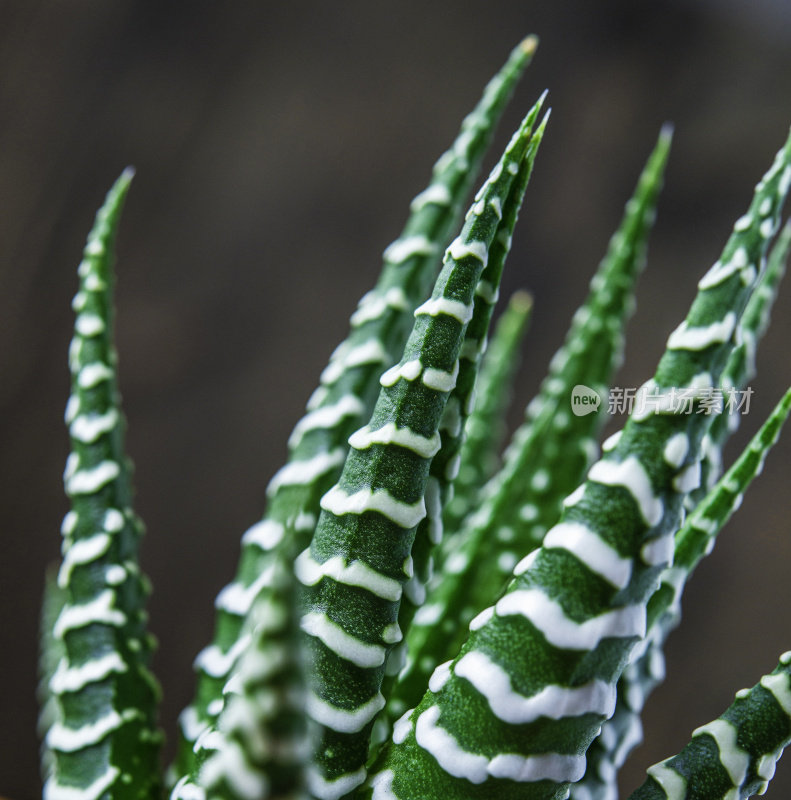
{"x":347,"y":392}
{"x":693,"y":542}
{"x":360,"y":557}
{"x":741,"y":368}
{"x":261,"y":745}
{"x":479,"y":458}
{"x":445,"y":464}
{"x":547,"y":457}
{"x":514,"y":713}
{"x":105,"y":693}
{"x":734,"y":756}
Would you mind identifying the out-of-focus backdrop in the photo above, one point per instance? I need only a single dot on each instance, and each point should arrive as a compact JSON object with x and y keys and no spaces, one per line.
{"x":277,"y":147}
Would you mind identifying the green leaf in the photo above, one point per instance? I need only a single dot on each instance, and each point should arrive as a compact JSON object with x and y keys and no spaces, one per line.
{"x":106,"y":695}
{"x":360,"y":556}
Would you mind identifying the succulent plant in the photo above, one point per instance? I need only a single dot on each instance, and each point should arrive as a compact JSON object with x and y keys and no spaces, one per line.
{"x":416,"y":616}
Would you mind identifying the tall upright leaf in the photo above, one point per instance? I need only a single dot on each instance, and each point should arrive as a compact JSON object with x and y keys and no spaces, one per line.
{"x":105,"y":741}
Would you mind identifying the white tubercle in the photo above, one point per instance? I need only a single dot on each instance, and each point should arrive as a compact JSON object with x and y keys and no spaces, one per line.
{"x":336,"y":788}
{"x":436,"y":193}
{"x":409,"y":371}
{"x":341,"y":719}
{"x":720,"y":272}
{"x":402,"y":727}
{"x":446,"y":750}
{"x":229,"y":763}
{"x":426,"y":447}
{"x":407,"y":515}
{"x":439,"y":380}
{"x":446,"y":306}
{"x":688,"y":479}
{"x":735,"y":760}
{"x":91,"y":375}
{"x":301,"y":473}
{"x":69,"y":523}
{"x":459,"y":249}
{"x":527,"y":562}
{"x":237,"y":599}
{"x":113,"y":520}
{"x":575,"y":497}
{"x":439,"y":677}
{"x":88,"y":428}
{"x":343,"y":644}
{"x":373,"y":305}
{"x":88,"y":481}
{"x":476,"y":768}
{"x":391,"y":634}
{"x":554,"y":702}
{"x":370,"y":352}
{"x":674,"y":784}
{"x":428,"y":615}
{"x":357,"y":573}
{"x":72,"y":409}
{"x":83,"y":551}
{"x":778,"y":686}
{"x":99,"y":611}
{"x":402,"y":249}
{"x":88,"y":324}
{"x":70,"y":740}
{"x":659,"y":551}
{"x":216,"y":663}
{"x":265,"y":534}
{"x":686,"y":338}
{"x":482,"y":618}
{"x":415,"y":591}
{"x":599,"y":556}
{"x":382,"y":786}
{"x":487,"y":291}
{"x":74,"y":678}
{"x":548,"y":616}
{"x":611,"y":441}
{"x":630,"y":474}
{"x":676,"y":449}
{"x":93,"y":283}
{"x":326,"y":417}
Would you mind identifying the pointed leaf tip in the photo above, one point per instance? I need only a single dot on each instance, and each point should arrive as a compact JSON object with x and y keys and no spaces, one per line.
{"x":666,"y":132}
{"x":529,"y":44}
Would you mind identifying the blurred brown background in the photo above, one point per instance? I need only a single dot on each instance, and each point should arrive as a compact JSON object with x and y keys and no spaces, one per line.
{"x":277,"y":150}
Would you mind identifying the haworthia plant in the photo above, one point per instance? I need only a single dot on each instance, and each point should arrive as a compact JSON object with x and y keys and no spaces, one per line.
{"x":542,"y":700}
{"x":445,"y":464}
{"x":548,"y":455}
{"x":104,"y":741}
{"x":345,"y":396}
